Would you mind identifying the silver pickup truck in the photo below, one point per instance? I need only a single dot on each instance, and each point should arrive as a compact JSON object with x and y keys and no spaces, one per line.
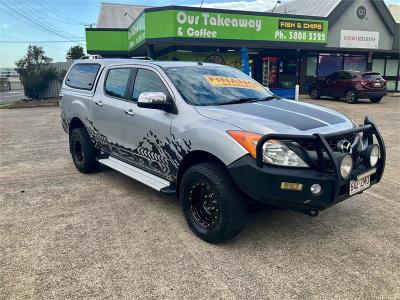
{"x":216,"y":138}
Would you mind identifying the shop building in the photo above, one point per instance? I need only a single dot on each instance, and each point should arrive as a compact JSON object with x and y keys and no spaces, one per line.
{"x":298,"y":42}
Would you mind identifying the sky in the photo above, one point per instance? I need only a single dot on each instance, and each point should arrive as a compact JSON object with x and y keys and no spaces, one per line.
{"x":56,"y":25}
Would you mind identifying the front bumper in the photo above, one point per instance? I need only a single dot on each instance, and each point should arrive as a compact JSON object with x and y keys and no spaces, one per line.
{"x":263,"y":182}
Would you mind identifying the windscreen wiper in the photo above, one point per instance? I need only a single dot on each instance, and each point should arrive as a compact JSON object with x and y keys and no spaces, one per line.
{"x":249,"y":100}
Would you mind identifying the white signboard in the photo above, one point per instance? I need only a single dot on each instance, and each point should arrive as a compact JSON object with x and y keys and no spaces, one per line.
{"x":359,"y":39}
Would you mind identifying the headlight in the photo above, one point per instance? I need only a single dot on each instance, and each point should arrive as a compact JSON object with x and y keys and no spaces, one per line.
{"x":374,"y":156}
{"x":371,"y":155}
{"x":276,"y":153}
{"x":346,"y":165}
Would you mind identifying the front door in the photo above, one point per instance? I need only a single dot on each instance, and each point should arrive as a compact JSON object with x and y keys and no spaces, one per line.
{"x":330,"y":85}
{"x":108,"y":110}
{"x":147,"y":131}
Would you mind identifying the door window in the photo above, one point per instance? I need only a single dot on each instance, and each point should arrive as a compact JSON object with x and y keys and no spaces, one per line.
{"x":345,"y":76}
{"x":116,"y":82}
{"x":82,"y":76}
{"x":147,"y":81}
{"x":333,"y":76}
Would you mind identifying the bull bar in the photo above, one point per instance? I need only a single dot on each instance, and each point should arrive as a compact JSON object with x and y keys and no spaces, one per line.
{"x":320,"y":142}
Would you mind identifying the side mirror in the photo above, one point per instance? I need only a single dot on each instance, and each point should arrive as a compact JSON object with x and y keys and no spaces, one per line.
{"x":154,"y":100}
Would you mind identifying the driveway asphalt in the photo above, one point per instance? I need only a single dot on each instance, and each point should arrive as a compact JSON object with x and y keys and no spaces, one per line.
{"x":11,"y":96}
{"x":68,"y":235}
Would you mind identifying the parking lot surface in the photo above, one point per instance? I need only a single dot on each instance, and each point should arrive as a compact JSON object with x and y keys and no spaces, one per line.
{"x":68,"y":235}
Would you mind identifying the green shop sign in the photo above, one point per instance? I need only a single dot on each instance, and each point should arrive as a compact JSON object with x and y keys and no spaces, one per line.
{"x":185,"y":23}
{"x":182,"y":23}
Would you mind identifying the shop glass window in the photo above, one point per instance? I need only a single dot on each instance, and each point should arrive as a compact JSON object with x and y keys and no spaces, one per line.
{"x":328,"y":64}
{"x":355,"y":63}
{"x":287,"y":72}
{"x":147,"y":81}
{"x":391,"y":85}
{"x":82,"y":76}
{"x":378,"y":65}
{"x":312,"y":66}
{"x":116,"y":82}
{"x":391,"y":67}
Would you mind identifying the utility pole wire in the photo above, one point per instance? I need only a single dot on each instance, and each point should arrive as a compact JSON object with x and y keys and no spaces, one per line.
{"x":32,"y":22}
{"x":42,"y":20}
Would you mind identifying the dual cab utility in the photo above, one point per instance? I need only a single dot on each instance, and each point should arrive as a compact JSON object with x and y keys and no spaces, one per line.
{"x":216,"y":138}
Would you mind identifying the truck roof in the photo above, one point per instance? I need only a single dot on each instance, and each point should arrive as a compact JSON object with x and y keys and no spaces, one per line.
{"x":127,"y":61}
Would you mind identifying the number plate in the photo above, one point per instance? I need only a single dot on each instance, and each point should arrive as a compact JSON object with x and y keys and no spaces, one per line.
{"x":359,"y":185}
{"x":377,"y":84}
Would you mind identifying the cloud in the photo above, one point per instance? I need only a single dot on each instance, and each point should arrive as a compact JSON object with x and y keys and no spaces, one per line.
{"x":255,"y":5}
{"x":4,"y":26}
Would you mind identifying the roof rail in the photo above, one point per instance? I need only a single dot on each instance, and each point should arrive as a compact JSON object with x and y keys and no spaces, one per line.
{"x":142,"y":57}
{"x":91,"y":56}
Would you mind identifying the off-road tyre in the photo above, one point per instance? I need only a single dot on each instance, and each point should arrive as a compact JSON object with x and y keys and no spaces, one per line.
{"x":209,"y":183}
{"x":83,"y":151}
{"x":375,"y":99}
{"x":315,"y":93}
{"x":351,"y":97}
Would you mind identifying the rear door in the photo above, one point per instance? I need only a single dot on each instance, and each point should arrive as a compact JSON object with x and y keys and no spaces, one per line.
{"x":147,"y":131}
{"x":108,"y":109}
{"x":330,"y":85}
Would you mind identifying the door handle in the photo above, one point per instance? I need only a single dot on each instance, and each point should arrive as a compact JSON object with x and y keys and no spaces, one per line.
{"x":130,"y":112}
{"x":99,"y":103}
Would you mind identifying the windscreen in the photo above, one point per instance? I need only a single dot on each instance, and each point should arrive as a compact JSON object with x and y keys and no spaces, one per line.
{"x":371,"y":76}
{"x":214,"y":85}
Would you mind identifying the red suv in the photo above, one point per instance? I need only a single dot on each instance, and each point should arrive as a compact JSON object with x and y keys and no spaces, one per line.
{"x":351,"y":85}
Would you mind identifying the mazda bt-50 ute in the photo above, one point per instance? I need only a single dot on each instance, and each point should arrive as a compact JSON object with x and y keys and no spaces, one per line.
{"x":216,"y":138}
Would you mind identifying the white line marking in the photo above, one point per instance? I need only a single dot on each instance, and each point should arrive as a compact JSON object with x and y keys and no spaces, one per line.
{"x":297,"y":113}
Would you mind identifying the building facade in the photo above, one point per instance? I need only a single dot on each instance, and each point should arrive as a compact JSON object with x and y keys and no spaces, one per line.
{"x":284,"y":49}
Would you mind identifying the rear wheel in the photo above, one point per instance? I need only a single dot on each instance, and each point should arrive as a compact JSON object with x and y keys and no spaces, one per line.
{"x":314,"y":93}
{"x":83,"y":151}
{"x":214,"y":208}
{"x":375,"y":99}
{"x":351,"y":97}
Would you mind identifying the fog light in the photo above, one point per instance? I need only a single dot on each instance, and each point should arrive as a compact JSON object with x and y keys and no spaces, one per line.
{"x":316,"y":189}
{"x":346,"y":165}
{"x":291,"y":186}
{"x":374,"y":155}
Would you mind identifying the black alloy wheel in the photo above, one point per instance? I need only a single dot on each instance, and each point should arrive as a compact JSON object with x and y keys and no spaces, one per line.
{"x":214,"y":207}
{"x":204,"y":206}
{"x":83,"y":152}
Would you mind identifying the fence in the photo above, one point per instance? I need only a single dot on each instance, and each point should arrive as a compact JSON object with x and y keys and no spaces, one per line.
{"x":54,"y":87}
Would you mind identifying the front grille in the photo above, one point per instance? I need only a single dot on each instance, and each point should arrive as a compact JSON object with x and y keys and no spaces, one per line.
{"x":333,"y":142}
{"x":329,"y":166}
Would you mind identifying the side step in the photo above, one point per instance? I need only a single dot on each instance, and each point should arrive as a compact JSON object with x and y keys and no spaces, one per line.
{"x":144,"y":177}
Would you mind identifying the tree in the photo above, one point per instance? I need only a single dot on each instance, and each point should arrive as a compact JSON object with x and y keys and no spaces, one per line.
{"x":75,"y":52}
{"x":35,"y":71}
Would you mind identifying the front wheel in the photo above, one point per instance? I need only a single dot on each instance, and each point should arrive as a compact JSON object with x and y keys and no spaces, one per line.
{"x":351,"y":97}
{"x":375,"y":99}
{"x":214,"y":208}
{"x":314,"y":93}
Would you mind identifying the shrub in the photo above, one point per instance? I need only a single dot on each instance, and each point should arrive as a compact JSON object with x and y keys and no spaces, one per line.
{"x":35,"y":71}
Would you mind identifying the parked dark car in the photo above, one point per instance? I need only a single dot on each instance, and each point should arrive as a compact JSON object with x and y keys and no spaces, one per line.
{"x":351,"y":85}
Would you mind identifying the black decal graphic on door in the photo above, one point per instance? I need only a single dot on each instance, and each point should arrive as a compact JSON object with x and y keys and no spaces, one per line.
{"x":156,"y":155}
